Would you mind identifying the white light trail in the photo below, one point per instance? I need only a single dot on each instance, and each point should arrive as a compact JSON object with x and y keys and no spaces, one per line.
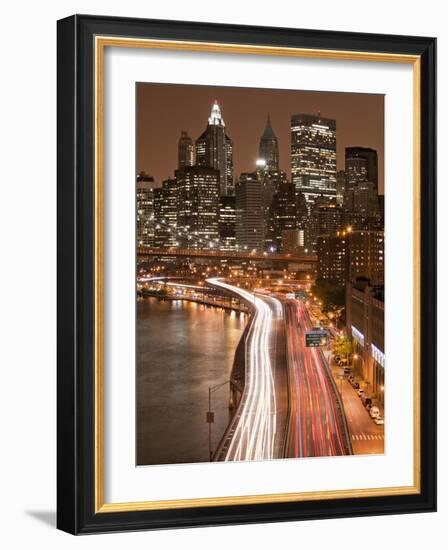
{"x":255,"y":430}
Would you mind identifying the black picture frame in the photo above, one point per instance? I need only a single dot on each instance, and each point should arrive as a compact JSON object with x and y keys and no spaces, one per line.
{"x":76,"y":273}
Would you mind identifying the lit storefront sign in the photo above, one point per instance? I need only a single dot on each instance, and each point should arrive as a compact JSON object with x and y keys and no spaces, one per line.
{"x":378,"y":355}
{"x":358,"y":336}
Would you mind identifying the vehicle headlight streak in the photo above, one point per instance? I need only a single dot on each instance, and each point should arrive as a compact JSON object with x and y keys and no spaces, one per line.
{"x":316,"y":421}
{"x":254,"y":433}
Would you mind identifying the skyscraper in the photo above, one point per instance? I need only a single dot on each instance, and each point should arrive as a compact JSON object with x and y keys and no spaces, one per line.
{"x":302,"y":211}
{"x":227,"y":223}
{"x":350,"y":254}
{"x":292,"y":241}
{"x":325,"y":219}
{"x":145,"y":210}
{"x":313,"y":156}
{"x":361,"y":164}
{"x":268,"y":148}
{"x":197,"y":207}
{"x":249,"y":212}
{"x":365,"y":199}
{"x":341,"y":182}
{"x":283,"y":213}
{"x":332,"y":258}
{"x":214,"y":149}
{"x":356,"y":169}
{"x":361,"y":193}
{"x":272,"y":181}
{"x":302,"y":220}
{"x":185,"y":150}
{"x":366,"y":256}
{"x":165,"y":215}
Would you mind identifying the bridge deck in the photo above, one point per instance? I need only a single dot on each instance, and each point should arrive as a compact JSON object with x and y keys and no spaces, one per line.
{"x":305,"y":259}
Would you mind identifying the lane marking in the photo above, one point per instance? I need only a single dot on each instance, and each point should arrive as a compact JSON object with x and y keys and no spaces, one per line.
{"x":367,"y":437}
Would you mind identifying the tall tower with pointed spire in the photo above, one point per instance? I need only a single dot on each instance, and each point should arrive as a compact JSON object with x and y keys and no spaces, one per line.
{"x":268,"y":149}
{"x":214,"y":149}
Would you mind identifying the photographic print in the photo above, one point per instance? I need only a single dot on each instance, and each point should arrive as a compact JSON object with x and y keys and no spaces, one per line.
{"x":260,"y":274}
{"x":222,"y":247}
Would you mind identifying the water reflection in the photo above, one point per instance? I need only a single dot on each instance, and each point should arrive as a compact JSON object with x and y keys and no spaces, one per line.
{"x":182,"y":349}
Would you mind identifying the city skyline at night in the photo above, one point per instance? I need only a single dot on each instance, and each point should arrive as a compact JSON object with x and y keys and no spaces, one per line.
{"x":260,"y":274}
{"x":165,"y":110}
{"x":269,"y":211}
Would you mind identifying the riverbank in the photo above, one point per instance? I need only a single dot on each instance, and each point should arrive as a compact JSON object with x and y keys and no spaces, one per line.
{"x":223,"y":304}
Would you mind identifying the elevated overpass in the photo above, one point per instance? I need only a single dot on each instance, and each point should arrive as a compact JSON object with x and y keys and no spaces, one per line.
{"x":304,"y":262}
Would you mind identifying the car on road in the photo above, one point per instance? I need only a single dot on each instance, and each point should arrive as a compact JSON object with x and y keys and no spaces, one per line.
{"x":366,"y":400}
{"x":379,"y":421}
{"x":374,"y":412}
{"x":346,"y":370}
{"x":361,"y":392}
{"x":355,"y":385}
{"x":337,"y":358}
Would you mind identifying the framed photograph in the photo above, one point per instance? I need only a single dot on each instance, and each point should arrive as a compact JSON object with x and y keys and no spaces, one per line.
{"x":246,"y":274}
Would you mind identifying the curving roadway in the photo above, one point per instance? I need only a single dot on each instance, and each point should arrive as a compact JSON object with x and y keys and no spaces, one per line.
{"x":257,"y":430}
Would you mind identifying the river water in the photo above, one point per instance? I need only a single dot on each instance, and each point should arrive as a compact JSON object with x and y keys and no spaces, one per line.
{"x":183,"y":348}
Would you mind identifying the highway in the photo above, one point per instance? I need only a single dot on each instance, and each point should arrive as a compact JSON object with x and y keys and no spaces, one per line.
{"x":316,"y":421}
{"x":257,"y":431}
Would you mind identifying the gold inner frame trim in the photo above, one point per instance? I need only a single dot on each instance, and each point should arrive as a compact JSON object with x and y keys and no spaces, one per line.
{"x":101,"y":42}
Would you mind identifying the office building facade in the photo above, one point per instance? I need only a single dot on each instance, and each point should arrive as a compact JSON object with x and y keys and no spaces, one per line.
{"x":366,"y":255}
{"x":145,"y":210}
{"x":250,"y":225}
{"x":332,"y":258}
{"x":227,"y":222}
{"x":361,"y":164}
{"x":346,"y":255}
{"x":165,"y":214}
{"x":313,"y":156}
{"x":326,"y":218}
{"x":341,"y":183}
{"x":197,"y":210}
{"x":365,"y":323}
{"x":185,"y":150}
{"x":283,"y":214}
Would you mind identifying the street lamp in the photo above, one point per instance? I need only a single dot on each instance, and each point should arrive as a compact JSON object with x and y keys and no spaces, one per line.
{"x":210,"y":415}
